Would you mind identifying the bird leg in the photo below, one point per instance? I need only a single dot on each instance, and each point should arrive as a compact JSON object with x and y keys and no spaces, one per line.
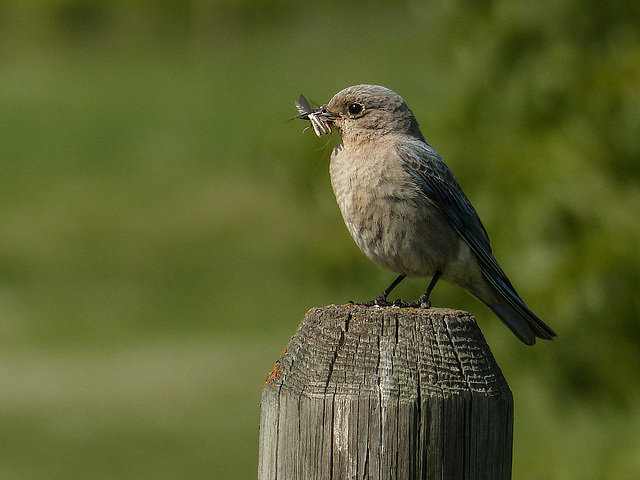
{"x":423,"y":301}
{"x":382,"y":298}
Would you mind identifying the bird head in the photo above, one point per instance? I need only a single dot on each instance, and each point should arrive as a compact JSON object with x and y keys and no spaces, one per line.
{"x":364,"y":111}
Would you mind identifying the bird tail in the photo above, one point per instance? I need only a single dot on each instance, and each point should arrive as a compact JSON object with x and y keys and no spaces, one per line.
{"x":522,"y":322}
{"x":508,"y":306}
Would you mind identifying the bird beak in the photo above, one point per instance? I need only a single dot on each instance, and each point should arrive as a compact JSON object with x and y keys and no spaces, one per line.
{"x":320,"y":118}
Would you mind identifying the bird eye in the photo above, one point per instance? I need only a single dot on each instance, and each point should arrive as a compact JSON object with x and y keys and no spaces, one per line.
{"x":355,"y":108}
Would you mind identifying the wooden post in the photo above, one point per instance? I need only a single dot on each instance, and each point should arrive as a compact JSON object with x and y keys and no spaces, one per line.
{"x":386,"y":393}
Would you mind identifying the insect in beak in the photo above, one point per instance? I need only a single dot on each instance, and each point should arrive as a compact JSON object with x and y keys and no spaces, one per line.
{"x":318,"y":118}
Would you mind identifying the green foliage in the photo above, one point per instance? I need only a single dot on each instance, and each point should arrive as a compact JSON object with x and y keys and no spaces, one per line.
{"x":163,"y":228}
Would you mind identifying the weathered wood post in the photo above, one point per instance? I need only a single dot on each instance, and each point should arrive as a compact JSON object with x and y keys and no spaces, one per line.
{"x":386,"y":393}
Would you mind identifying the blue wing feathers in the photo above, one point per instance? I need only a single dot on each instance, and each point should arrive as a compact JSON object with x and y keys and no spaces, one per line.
{"x":438,"y":184}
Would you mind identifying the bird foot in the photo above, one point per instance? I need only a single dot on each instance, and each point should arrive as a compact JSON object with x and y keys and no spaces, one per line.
{"x":420,"y":303}
{"x":381,"y":301}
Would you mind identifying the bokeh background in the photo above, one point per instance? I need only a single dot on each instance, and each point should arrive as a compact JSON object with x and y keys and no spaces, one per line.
{"x":164,"y":228}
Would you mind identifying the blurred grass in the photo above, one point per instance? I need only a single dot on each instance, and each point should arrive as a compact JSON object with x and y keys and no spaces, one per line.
{"x":163,"y":229}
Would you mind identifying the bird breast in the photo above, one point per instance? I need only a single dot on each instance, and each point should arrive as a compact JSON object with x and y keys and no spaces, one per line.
{"x":387,"y":215}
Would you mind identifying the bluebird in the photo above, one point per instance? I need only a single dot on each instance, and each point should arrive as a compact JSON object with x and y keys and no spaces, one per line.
{"x":405,"y":209}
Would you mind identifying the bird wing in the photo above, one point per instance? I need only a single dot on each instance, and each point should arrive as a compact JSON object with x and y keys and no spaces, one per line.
{"x":437,"y":183}
{"x":441,"y":188}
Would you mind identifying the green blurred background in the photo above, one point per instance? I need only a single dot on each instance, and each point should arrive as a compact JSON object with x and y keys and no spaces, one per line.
{"x":164,"y":228}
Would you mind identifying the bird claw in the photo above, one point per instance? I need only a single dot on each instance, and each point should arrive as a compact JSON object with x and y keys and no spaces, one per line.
{"x":379,"y":301}
{"x":399,"y":303}
{"x":421,"y":303}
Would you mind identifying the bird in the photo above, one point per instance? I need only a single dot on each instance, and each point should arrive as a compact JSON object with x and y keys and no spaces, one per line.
{"x":405,"y":209}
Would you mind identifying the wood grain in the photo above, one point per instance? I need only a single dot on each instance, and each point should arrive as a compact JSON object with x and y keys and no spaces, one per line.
{"x":386,"y":393}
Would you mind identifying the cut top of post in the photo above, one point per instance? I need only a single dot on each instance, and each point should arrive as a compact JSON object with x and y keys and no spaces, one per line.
{"x":404,"y":353}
